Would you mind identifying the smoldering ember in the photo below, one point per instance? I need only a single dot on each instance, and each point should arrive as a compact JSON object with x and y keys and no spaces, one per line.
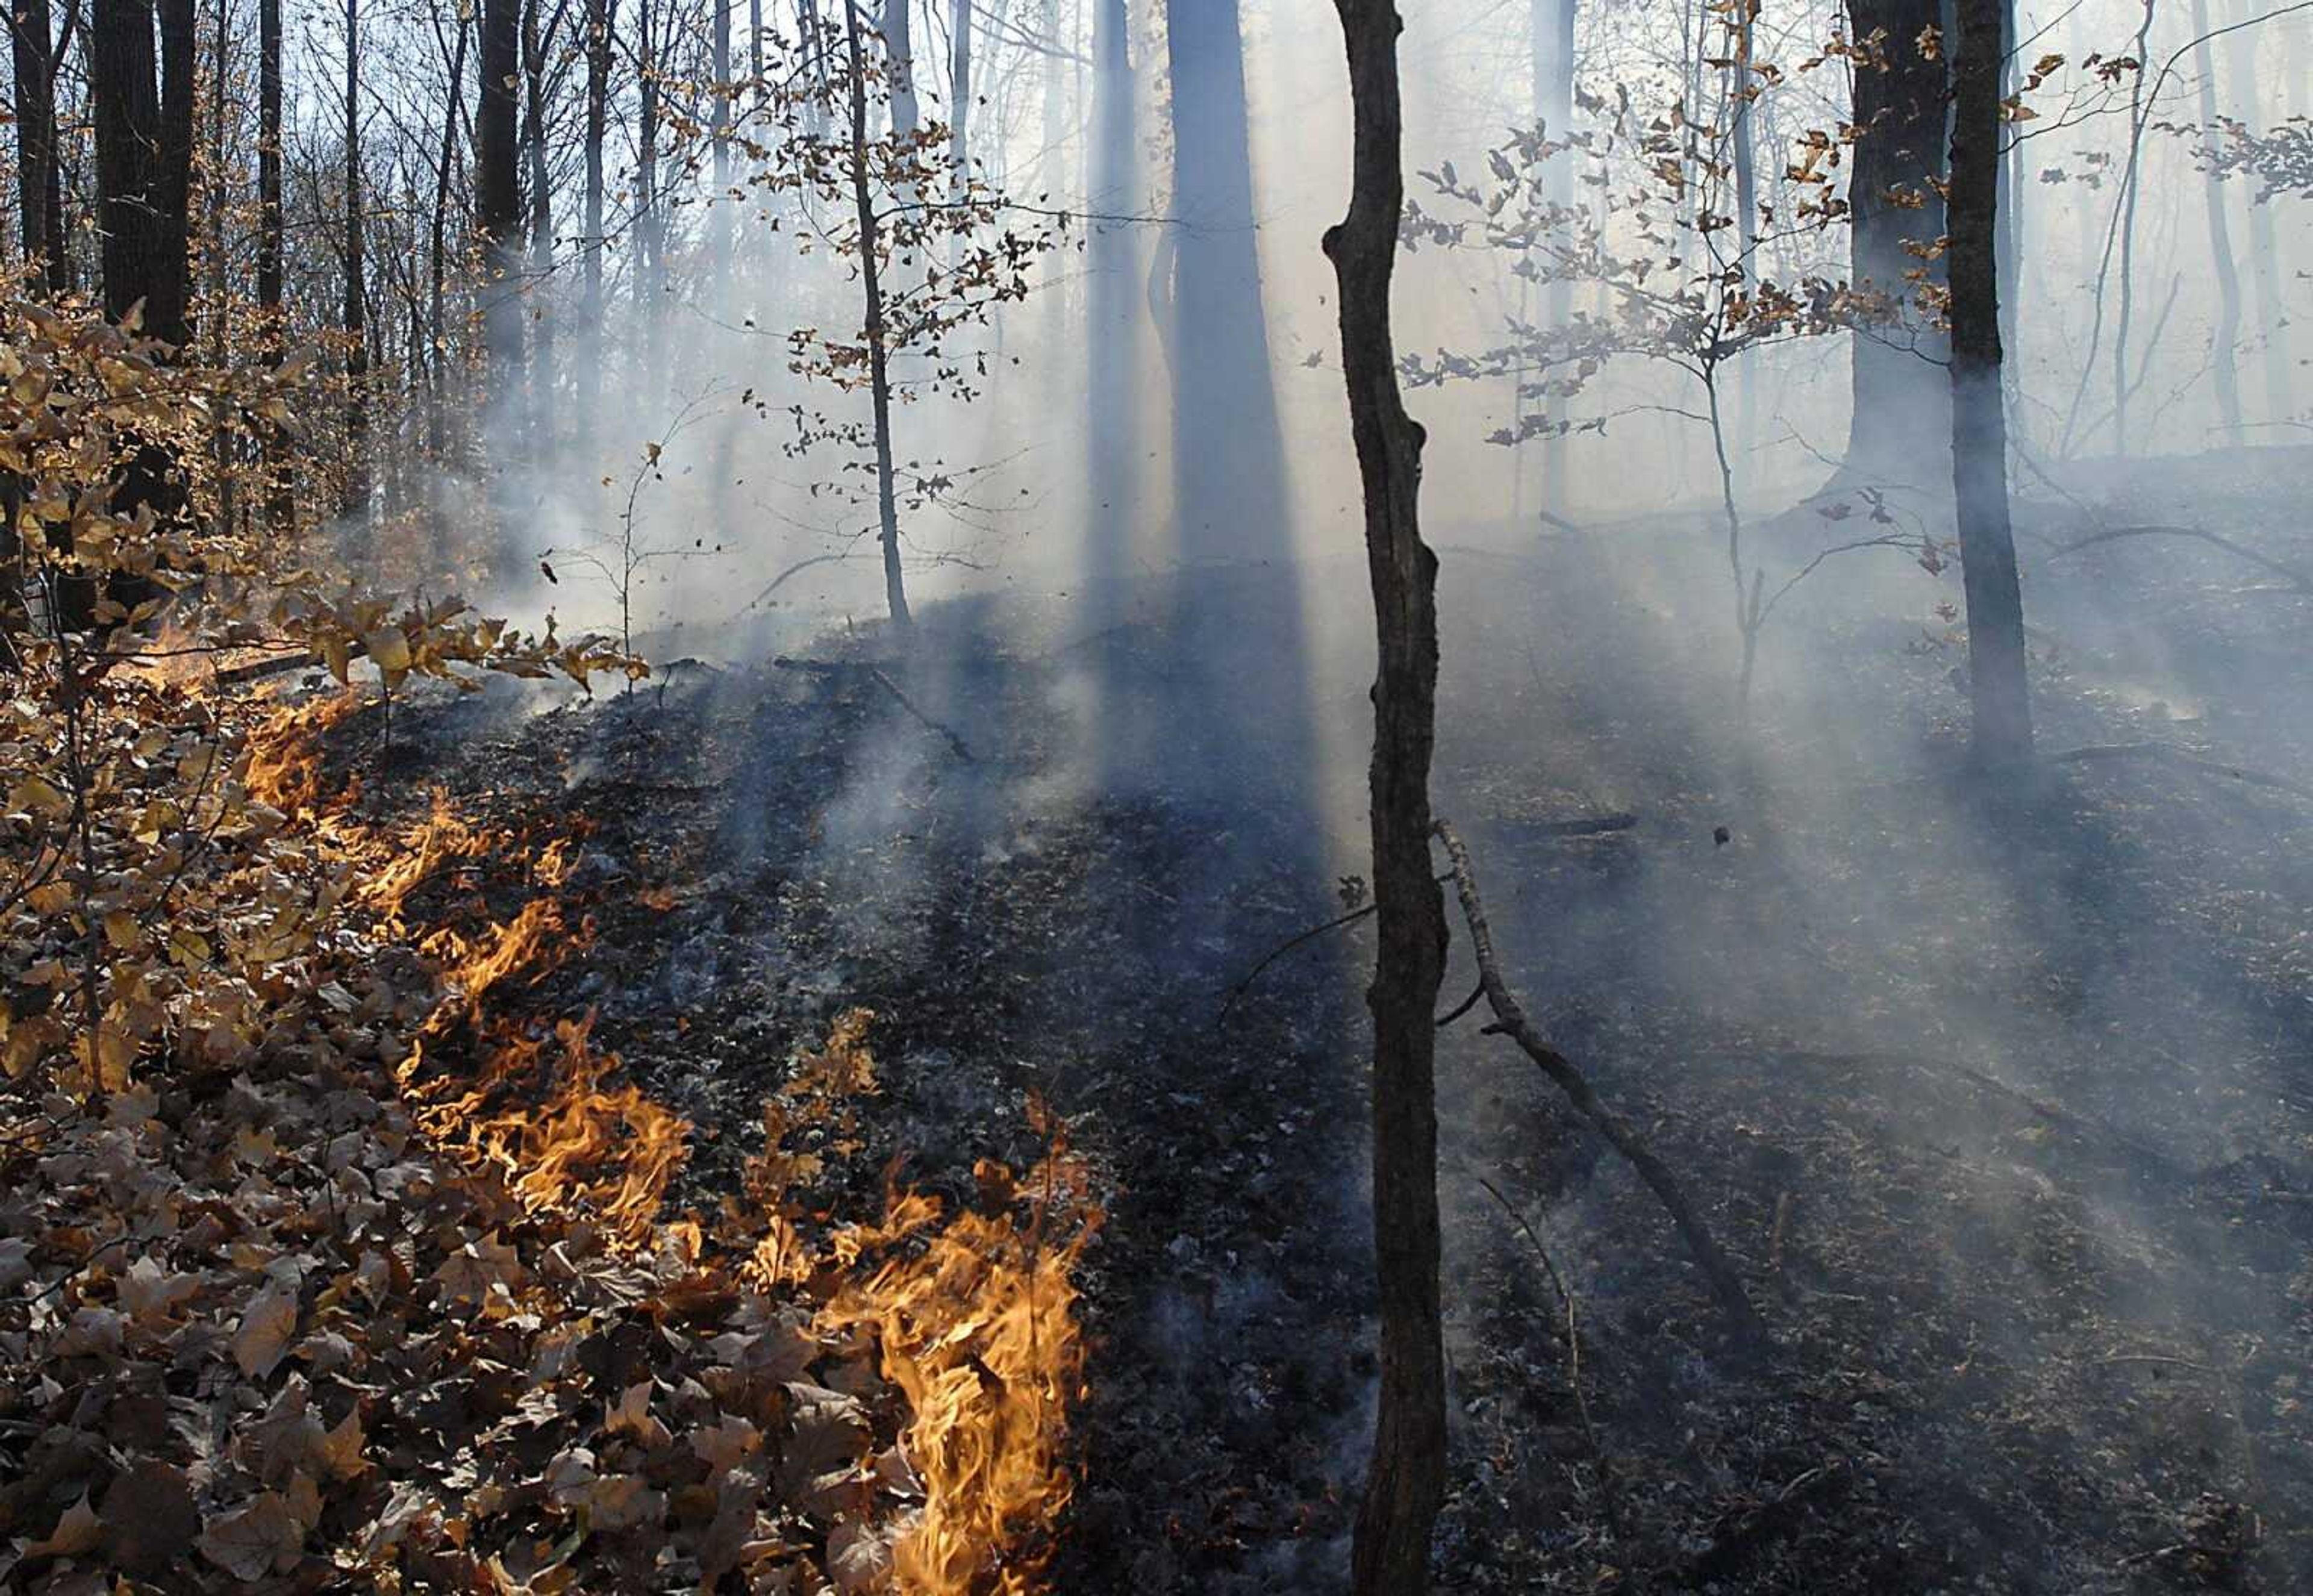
{"x":1075,"y":797}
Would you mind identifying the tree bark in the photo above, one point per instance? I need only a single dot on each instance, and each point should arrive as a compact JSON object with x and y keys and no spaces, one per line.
{"x":538,"y":45}
{"x":899,"y":52}
{"x":602,"y":17}
{"x":356,"y":319}
{"x":437,"y":410}
{"x":1229,"y":499}
{"x":649,"y":253}
{"x":1897,"y":398}
{"x":280,"y":508}
{"x":40,"y":180}
{"x":879,"y":376}
{"x":2225,"y":336}
{"x":719,"y":46}
{"x":1407,"y":1480}
{"x":497,"y":198}
{"x":2264,"y":256}
{"x":1112,"y":299}
{"x":2001,"y":706}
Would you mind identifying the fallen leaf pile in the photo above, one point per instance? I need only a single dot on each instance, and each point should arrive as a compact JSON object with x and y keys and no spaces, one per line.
{"x":317,"y":1311}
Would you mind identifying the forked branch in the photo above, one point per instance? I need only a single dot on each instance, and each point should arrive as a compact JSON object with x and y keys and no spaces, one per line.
{"x":1510,"y":1020}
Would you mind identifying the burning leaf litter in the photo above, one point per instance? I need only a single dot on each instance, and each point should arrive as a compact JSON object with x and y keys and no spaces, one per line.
{"x":391,"y":1296}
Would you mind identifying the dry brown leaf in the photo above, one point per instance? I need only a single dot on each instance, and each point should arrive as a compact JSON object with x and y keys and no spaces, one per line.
{"x":267,"y":1324}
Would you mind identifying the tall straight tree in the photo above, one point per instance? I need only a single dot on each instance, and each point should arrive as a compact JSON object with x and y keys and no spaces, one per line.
{"x":1551,"y":28}
{"x":1897,"y":397}
{"x":1229,"y":499}
{"x":720,"y":48}
{"x":355,"y":317}
{"x":879,"y":376}
{"x":602,"y":17}
{"x":649,"y":234}
{"x":539,"y":39}
{"x":1111,"y":295}
{"x":40,"y":174}
{"x":2224,"y":339}
{"x":1407,"y":1480}
{"x":2000,"y":702}
{"x":272,"y":330}
{"x":144,"y":158}
{"x":498,"y":197}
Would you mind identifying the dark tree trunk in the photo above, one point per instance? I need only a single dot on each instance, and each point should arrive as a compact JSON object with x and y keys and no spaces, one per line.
{"x":438,"y":410}
{"x":498,"y":199}
{"x":355,"y":317}
{"x":2002,"y":715}
{"x":537,"y":49}
{"x":1228,"y":491}
{"x":171,"y":290}
{"x":1113,"y":297}
{"x":279,"y":507}
{"x":1899,"y":398}
{"x":647,"y":253}
{"x":1407,"y":1480}
{"x":719,"y":46}
{"x":601,"y":19}
{"x":134,"y":171}
{"x":39,"y":179}
{"x":879,"y":376}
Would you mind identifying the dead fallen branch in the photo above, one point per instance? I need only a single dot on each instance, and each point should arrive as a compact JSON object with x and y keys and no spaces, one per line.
{"x":2184,"y":756}
{"x":876,"y":674}
{"x":2295,"y":578}
{"x":302,"y":658}
{"x":1510,"y":1020}
{"x":2080,"y":1126}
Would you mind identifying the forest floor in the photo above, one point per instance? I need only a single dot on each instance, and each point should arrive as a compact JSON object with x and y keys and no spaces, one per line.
{"x":1998,"y":1099}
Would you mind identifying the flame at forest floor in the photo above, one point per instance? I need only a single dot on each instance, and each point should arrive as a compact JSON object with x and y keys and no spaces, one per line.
{"x":971,"y":1315}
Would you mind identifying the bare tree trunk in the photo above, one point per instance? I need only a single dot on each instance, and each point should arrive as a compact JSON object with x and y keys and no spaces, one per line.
{"x":217,"y":202}
{"x":537,"y":49}
{"x":648,"y":255}
{"x":1551,"y":25}
{"x":2225,"y":337}
{"x":719,"y":44}
{"x":497,"y":200}
{"x":601,"y":18}
{"x":1112,"y":299}
{"x":169,"y":313}
{"x":437,"y":416}
{"x":1746,"y":216}
{"x":1227,"y":448}
{"x":40,"y":183}
{"x":356,"y":319}
{"x":1897,"y":398}
{"x":879,"y":376}
{"x":2263,"y":259}
{"x":2002,"y":715}
{"x":959,"y":112}
{"x":899,"y":52}
{"x":2139,"y":113}
{"x":280,"y":508}
{"x":1407,"y":1480}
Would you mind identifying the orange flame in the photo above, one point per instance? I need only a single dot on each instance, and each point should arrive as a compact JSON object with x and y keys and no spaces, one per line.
{"x":979,"y":1332}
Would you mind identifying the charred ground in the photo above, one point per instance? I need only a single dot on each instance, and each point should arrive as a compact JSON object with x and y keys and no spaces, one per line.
{"x":1995,"y":1100}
